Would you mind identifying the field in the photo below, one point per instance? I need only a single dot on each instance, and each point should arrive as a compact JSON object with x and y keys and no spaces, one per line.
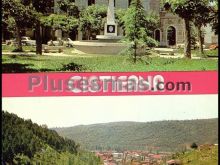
{"x":99,"y":63}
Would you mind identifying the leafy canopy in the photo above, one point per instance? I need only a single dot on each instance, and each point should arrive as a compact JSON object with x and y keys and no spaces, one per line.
{"x":92,"y":18}
{"x":60,"y":21}
{"x":138,"y":25}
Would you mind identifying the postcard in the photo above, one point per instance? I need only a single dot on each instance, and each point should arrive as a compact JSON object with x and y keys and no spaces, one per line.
{"x":109,"y":82}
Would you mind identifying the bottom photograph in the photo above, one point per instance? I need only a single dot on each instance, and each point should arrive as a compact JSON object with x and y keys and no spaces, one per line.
{"x":131,"y":130}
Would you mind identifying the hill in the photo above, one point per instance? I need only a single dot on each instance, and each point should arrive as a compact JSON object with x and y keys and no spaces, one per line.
{"x":162,"y":135}
{"x":205,"y":155}
{"x":24,"y":142}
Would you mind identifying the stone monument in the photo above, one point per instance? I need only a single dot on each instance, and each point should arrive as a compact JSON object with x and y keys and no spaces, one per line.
{"x":110,"y":29}
{"x":105,"y":44}
{"x":110,"y":25}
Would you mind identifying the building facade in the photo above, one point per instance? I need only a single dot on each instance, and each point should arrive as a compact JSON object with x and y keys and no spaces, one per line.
{"x":124,"y":4}
{"x":170,"y":32}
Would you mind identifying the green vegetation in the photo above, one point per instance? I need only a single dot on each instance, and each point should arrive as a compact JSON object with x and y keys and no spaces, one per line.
{"x":92,"y":20}
{"x":190,"y":11}
{"x":100,"y":63}
{"x":201,"y":19}
{"x":197,"y":53}
{"x":137,"y":27}
{"x":167,"y":135}
{"x":207,"y":155}
{"x":8,"y":48}
{"x":26,"y":143}
{"x":66,"y":20}
{"x":61,"y":21}
{"x":19,"y":15}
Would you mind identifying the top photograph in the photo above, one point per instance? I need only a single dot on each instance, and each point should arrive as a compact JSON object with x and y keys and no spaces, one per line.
{"x":109,"y":35}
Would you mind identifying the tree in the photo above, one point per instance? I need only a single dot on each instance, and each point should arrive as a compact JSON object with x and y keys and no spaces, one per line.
{"x":22,"y":140}
{"x":152,"y":22}
{"x":16,"y":14}
{"x":26,"y":13}
{"x":60,"y":22}
{"x":66,"y":6}
{"x":194,"y":37}
{"x":194,"y":146}
{"x":119,"y":14}
{"x":42,"y":7}
{"x":214,"y":15}
{"x":196,"y":11}
{"x":185,"y":9}
{"x":202,"y":18}
{"x":65,"y":18}
{"x":92,"y":20}
{"x":135,"y":23}
{"x":21,"y":159}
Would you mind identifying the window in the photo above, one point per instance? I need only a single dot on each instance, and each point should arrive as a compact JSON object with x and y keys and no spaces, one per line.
{"x":171,"y":36}
{"x":129,"y":2}
{"x":157,"y":35}
{"x":91,"y":2}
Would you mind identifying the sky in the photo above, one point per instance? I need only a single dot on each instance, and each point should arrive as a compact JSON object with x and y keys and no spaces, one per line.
{"x":72,"y":111}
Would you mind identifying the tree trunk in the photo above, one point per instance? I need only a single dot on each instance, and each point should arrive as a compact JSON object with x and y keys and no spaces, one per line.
{"x":18,"y":38}
{"x":53,"y":34}
{"x":43,"y":37}
{"x":187,"y":51}
{"x":38,"y":39}
{"x":135,"y":52}
{"x":89,"y":34}
{"x":200,"y":39}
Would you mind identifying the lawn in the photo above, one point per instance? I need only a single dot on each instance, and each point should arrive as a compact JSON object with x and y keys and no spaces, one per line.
{"x":196,"y":52}
{"x":8,"y":48}
{"x":101,"y":63}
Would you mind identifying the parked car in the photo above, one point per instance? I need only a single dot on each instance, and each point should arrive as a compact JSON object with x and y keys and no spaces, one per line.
{"x":27,"y":41}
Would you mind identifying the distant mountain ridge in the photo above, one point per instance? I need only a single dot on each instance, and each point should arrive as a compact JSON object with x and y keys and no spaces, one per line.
{"x":160,"y":135}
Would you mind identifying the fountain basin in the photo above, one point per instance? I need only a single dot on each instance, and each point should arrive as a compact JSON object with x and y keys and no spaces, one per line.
{"x":98,"y":47}
{"x":109,"y":38}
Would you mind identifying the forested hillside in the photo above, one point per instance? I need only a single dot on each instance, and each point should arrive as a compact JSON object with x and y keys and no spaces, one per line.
{"x":27,"y":143}
{"x":161,"y":136}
